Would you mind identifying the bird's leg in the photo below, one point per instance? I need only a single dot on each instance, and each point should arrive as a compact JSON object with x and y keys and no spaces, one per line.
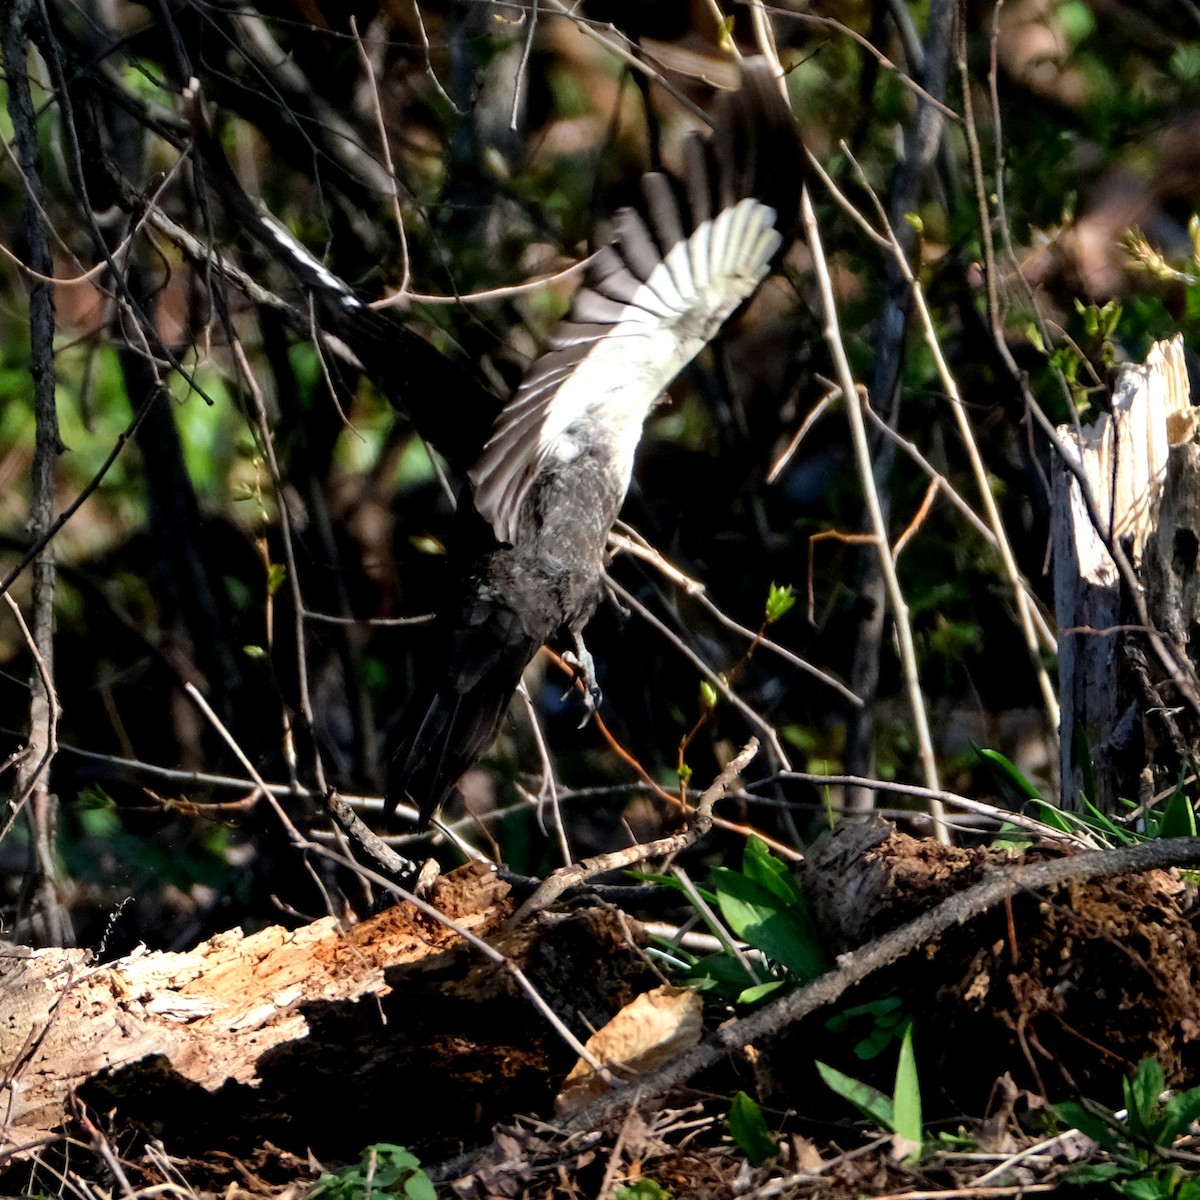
{"x":584,"y":666}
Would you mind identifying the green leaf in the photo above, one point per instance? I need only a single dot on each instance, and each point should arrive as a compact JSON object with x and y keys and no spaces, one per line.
{"x":1090,"y":1123}
{"x":1141,"y":1099}
{"x":780,"y":602}
{"x":254,"y":652}
{"x":420,"y":1187}
{"x":885,"y":1015}
{"x":757,"y":916}
{"x":760,"y":992}
{"x":1008,"y":772}
{"x":1102,"y":823}
{"x":1049,"y":815}
{"x":1178,"y":818}
{"x":759,"y":864}
{"x":749,"y":1130}
{"x":644,"y":1189}
{"x":721,"y":974}
{"x":1095,"y":1173}
{"x":1181,"y":1111}
{"x":725,"y":38}
{"x":708,"y":696}
{"x":871,"y":1102}
{"x":276,"y":574}
{"x":1148,"y":1187}
{"x":906,"y":1100}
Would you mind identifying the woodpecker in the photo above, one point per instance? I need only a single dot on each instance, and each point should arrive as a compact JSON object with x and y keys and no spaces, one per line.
{"x":544,"y":492}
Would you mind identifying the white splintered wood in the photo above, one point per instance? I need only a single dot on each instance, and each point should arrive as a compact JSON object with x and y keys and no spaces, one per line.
{"x":1124,"y":458}
{"x":624,"y":355}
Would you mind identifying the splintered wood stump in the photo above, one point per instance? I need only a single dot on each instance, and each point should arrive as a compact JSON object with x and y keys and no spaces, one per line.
{"x":322,"y":1038}
{"x":1119,"y":735}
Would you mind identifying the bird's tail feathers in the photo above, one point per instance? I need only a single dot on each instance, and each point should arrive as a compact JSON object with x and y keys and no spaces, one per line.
{"x":445,"y":735}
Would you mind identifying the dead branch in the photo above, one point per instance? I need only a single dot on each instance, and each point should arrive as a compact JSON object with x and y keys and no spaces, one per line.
{"x":853,"y":968}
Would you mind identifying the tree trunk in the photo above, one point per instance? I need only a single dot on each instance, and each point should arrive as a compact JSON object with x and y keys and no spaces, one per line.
{"x":1121,"y":732}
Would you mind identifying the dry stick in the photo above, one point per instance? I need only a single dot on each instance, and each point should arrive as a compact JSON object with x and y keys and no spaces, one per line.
{"x":548,"y":788}
{"x":764,"y":726}
{"x":425,"y":48}
{"x":862,"y":454}
{"x":787,"y":1185}
{"x":289,"y":552}
{"x":203,"y":255}
{"x":830,"y":681}
{"x":32,"y":778}
{"x":379,"y":622}
{"x":632,"y":542}
{"x":523,"y":66}
{"x":974,"y":1192}
{"x":976,"y":522}
{"x":386,"y":150}
{"x":999,"y":815}
{"x":764,"y":35}
{"x":818,"y":410}
{"x":477,"y":943}
{"x":278,"y":70}
{"x":998,"y":885}
{"x":207,"y":779}
{"x":96,"y":270}
{"x":338,"y":809}
{"x":701,"y":821}
{"x":947,"y":488}
{"x":368,"y":803}
{"x":978,"y":469}
{"x":886,"y":63}
{"x":1172,"y":659}
{"x":998,"y":189}
{"x":51,"y":923}
{"x":386,"y":857}
{"x":720,"y":933}
{"x":403,"y":298}
{"x":614,"y":41}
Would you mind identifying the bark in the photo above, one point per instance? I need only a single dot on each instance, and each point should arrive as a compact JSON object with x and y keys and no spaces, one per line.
{"x":44,"y":919}
{"x":318,"y":1039}
{"x":213,"y":1012}
{"x":1119,"y":736}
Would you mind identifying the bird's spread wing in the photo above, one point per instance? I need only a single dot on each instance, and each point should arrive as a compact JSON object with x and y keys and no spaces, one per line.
{"x":675,"y":268}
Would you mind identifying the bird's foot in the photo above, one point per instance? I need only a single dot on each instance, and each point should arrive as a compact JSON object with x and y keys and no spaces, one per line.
{"x":584,"y":666}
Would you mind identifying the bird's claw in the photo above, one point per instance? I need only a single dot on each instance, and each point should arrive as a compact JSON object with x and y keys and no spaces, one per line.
{"x":582,"y":663}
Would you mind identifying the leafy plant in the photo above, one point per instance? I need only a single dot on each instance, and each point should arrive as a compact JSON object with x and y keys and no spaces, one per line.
{"x":749,"y":1130}
{"x":762,"y":907}
{"x":899,"y":1113}
{"x":1136,"y":1140}
{"x":884,"y":1020}
{"x":643,"y":1189}
{"x":385,"y":1171}
{"x":1174,"y":816}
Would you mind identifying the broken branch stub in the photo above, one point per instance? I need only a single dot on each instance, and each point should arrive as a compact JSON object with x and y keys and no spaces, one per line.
{"x":1123,"y":731}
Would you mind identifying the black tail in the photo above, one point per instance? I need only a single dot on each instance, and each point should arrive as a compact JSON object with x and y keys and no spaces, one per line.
{"x":448,"y":726}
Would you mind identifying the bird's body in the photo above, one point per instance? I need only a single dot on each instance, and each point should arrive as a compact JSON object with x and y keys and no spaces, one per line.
{"x":551,"y":479}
